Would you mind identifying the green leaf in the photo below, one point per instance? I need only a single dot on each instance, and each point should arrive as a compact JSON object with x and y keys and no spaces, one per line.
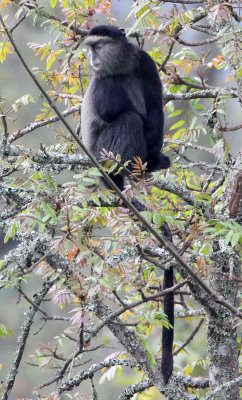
{"x":158,"y":219}
{"x":205,"y":197}
{"x":235,"y":239}
{"x":175,"y":113}
{"x":177,"y":125}
{"x":151,"y":358}
{"x":239,"y":74}
{"x":198,"y":107}
{"x":148,"y":216}
{"x":4,"y":331}
{"x":10,"y":232}
{"x":95,"y":199}
{"x":36,"y":17}
{"x":65,"y":4}
{"x":2,"y":262}
{"x":228,"y":237}
{"x":53,"y":3}
{"x":193,"y":123}
{"x":93,"y":172}
{"x":178,"y":133}
{"x":170,"y":107}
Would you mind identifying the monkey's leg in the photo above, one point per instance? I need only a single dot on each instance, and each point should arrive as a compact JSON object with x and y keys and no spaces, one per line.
{"x":122,"y":136}
{"x":158,"y":161}
{"x":117,"y":179}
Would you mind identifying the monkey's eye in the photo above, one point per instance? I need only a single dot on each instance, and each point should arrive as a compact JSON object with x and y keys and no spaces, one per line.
{"x":98,"y":46}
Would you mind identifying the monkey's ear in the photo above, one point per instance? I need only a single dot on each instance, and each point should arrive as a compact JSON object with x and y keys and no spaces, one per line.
{"x":122,"y":30}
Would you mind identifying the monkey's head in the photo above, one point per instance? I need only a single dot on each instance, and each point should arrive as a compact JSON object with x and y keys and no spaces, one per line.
{"x":110,"y":51}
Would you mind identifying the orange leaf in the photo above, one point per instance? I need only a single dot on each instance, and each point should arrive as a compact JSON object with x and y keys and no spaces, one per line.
{"x":4,"y":3}
{"x":229,"y":78}
{"x":72,"y":252}
{"x":184,"y":62}
{"x":220,"y":58}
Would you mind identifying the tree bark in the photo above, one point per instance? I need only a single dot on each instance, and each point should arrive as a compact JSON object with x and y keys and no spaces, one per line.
{"x":222,"y":337}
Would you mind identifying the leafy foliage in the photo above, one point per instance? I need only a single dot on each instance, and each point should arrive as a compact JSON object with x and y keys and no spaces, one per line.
{"x":80,"y":239}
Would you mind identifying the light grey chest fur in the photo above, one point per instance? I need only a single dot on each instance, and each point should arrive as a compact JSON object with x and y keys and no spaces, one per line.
{"x":89,"y":120}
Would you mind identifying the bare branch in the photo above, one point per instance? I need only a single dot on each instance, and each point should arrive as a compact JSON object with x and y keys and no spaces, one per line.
{"x":22,"y":339}
{"x":223,"y":387}
{"x":202,"y":94}
{"x":35,"y":125}
{"x":139,"y":387}
{"x":189,"y":339}
{"x":88,"y":374}
{"x":189,"y":145}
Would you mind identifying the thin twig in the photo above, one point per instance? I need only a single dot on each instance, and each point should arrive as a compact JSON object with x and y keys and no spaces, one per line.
{"x":189,"y":339}
{"x":188,"y":144}
{"x":32,"y":302}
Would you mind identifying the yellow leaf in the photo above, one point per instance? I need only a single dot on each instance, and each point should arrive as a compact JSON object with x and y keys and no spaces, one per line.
{"x":215,"y":62}
{"x":188,"y":369}
{"x":77,"y":300}
{"x":188,"y":68}
{"x":71,"y":80}
{"x":124,"y":316}
{"x":4,"y":49}
{"x":50,"y":61}
{"x":148,"y":330}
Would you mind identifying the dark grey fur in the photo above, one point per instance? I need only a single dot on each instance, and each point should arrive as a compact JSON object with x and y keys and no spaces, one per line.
{"x":122,"y":107}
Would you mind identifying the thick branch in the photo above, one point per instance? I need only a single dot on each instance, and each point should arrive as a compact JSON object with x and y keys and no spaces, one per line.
{"x":201,"y":94}
{"x":88,"y":374}
{"x":139,"y":387}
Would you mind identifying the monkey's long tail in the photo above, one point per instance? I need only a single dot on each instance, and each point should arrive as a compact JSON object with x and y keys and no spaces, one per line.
{"x":168,"y":334}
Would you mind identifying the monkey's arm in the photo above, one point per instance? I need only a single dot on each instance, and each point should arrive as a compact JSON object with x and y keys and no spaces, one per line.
{"x":154,"y":121}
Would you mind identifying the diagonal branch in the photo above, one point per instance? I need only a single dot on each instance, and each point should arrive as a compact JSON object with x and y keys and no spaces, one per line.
{"x":139,"y":387}
{"x":189,"y":339}
{"x":35,"y":125}
{"x":88,"y":374}
{"x":22,"y":339}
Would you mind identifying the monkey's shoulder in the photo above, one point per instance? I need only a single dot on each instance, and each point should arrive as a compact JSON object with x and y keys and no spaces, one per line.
{"x":146,"y":69}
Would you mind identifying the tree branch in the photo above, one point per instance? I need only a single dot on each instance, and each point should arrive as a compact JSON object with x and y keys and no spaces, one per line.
{"x":201,"y":94}
{"x":139,"y":387}
{"x":69,"y":384}
{"x":35,"y":125}
{"x":190,"y":338}
{"x":22,"y":339}
{"x":223,"y":387}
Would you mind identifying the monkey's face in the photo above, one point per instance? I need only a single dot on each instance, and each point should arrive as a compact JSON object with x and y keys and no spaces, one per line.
{"x":108,"y":56}
{"x":98,"y":56}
